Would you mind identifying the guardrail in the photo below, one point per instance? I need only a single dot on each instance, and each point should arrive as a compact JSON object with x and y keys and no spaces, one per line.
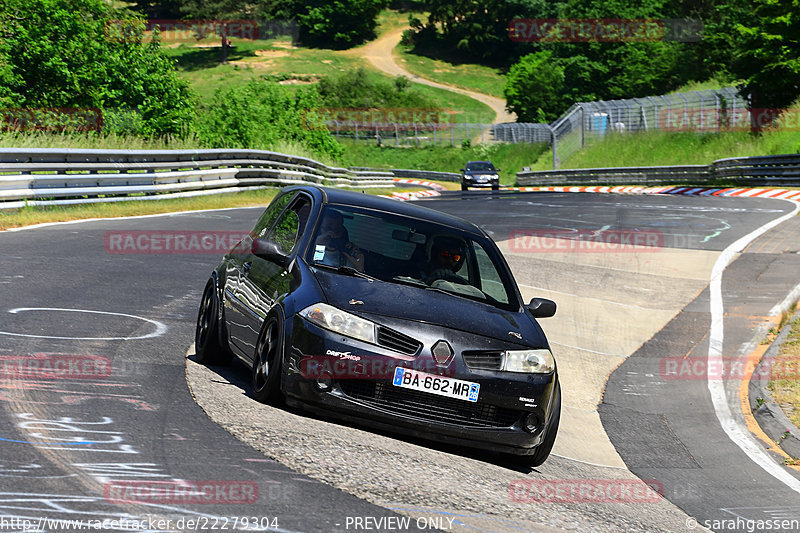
{"x":51,"y":177}
{"x":417,"y":174}
{"x":772,"y":171}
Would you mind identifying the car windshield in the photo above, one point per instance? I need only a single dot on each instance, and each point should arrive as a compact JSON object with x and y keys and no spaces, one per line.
{"x":397,"y":249}
{"x":480,"y":167}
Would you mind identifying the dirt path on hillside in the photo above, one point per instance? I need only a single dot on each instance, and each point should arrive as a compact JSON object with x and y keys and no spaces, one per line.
{"x":380,"y":53}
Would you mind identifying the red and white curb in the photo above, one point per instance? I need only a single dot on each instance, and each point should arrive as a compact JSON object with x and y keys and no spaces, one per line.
{"x":435,"y":189}
{"x":784,"y":194}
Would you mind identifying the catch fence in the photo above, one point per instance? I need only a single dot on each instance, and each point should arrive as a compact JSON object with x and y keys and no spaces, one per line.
{"x":708,"y":111}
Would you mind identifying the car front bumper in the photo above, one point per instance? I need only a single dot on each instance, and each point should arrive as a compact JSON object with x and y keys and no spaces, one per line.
{"x":352,"y":380}
{"x":475,"y":182}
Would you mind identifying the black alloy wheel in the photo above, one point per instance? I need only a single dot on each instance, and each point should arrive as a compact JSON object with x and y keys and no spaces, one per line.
{"x":267,"y":361}
{"x":207,"y":347}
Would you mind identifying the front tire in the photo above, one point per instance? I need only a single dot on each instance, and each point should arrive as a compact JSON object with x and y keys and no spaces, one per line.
{"x":464,"y":187}
{"x":207,"y":347}
{"x":267,"y":361}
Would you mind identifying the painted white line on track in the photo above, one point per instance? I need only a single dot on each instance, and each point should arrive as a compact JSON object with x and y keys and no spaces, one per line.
{"x":161,"y":328}
{"x":741,"y":436}
{"x":171,"y":213}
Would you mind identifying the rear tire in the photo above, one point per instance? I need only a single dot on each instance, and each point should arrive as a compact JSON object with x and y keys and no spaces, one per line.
{"x":207,"y":347}
{"x":267,"y":361}
{"x":542,"y":451}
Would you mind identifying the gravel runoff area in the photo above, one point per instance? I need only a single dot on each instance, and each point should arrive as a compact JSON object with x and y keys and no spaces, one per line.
{"x":417,"y":478}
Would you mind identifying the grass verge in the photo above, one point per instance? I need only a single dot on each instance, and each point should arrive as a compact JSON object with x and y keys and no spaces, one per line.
{"x":786,"y":390}
{"x":470,"y":76}
{"x":26,"y":216}
{"x":664,"y":148}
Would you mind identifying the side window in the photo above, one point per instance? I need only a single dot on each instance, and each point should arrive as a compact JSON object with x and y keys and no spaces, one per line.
{"x":271,"y":214}
{"x":491,"y":282}
{"x":290,"y":225}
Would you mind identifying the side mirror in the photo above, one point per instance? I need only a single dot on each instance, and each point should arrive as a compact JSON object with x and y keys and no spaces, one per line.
{"x":542,"y":307}
{"x":497,"y":170}
{"x":266,"y":249}
{"x":462,"y":170}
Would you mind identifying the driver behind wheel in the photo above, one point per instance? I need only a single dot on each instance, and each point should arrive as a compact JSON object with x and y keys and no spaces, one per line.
{"x":447,"y":257}
{"x":339,"y":251}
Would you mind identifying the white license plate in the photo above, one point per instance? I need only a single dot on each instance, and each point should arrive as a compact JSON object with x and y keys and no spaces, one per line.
{"x":449,"y":387}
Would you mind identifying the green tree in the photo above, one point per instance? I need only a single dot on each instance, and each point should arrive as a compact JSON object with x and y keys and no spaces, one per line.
{"x":469,"y":30}
{"x":338,"y":23}
{"x":157,"y":9}
{"x":534,"y":88}
{"x":766,"y":54}
{"x":221,"y":9}
{"x":260,"y":114}
{"x":356,"y":89}
{"x":83,"y":53}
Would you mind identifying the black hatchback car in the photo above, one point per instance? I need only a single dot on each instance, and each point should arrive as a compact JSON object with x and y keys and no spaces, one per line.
{"x":388,"y":314}
{"x":480,"y":174}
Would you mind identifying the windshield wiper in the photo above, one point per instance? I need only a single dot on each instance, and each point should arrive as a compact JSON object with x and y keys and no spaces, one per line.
{"x":347,"y":270}
{"x":405,"y":280}
{"x":437,"y":289}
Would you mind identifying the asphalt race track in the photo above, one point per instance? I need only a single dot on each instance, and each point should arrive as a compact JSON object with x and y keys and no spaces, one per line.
{"x":79,"y":439}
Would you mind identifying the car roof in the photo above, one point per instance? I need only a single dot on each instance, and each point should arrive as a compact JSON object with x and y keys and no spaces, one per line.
{"x":329,"y":195}
{"x":470,"y":162}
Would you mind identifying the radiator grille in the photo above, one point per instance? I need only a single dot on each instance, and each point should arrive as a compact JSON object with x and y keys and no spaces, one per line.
{"x":394,"y":340}
{"x":483,"y":360}
{"x":431,"y":407}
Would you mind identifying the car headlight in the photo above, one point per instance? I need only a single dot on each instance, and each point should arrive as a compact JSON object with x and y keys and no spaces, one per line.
{"x":329,"y":317}
{"x":530,"y":361}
